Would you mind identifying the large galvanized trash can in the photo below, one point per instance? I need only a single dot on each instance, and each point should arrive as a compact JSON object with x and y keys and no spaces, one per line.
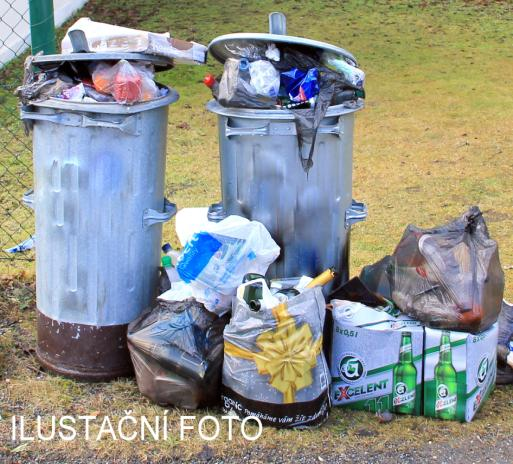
{"x":99,"y":206}
{"x":309,"y":214}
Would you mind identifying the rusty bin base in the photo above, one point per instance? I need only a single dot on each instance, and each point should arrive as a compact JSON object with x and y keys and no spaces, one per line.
{"x":83,"y":352}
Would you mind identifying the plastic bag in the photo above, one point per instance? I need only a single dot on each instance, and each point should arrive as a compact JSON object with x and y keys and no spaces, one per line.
{"x":236,"y":90}
{"x":353,"y":76}
{"x":301,"y":86}
{"x":274,"y":367}
{"x":265,"y":79}
{"x":127,"y":83}
{"x":177,"y":352}
{"x":216,"y":259}
{"x":39,"y":86}
{"x":448,"y":277}
{"x":377,"y":276}
{"x":505,"y":345}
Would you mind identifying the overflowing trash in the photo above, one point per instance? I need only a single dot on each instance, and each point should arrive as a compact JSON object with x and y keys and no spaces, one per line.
{"x":177,"y":352}
{"x":275,"y":71}
{"x":448,"y":277}
{"x":274,"y":367}
{"x":419,"y":332}
{"x":103,"y":63}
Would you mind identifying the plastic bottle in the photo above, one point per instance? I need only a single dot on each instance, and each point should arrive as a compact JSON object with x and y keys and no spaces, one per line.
{"x":173,"y":254}
{"x":210,"y":81}
{"x":171,"y":271}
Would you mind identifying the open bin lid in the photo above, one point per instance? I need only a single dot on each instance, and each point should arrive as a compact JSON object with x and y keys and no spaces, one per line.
{"x":46,"y":62}
{"x":235,"y":45}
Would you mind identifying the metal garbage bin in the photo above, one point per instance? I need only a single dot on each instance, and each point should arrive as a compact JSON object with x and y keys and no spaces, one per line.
{"x":308,"y":214}
{"x":99,"y":207}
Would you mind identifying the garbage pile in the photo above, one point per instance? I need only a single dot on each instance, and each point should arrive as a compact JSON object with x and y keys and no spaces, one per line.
{"x":442,"y":291}
{"x":286,"y":365}
{"x":286,"y":78}
{"x":103,"y":63}
{"x":280,"y":73}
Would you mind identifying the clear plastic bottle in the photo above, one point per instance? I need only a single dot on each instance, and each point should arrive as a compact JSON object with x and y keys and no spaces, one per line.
{"x":171,"y":271}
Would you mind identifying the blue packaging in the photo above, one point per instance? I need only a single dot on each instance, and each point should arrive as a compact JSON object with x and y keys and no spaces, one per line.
{"x":299,"y":85}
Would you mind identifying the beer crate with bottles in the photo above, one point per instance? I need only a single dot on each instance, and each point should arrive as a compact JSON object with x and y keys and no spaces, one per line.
{"x":459,"y":372}
{"x":376,"y":359}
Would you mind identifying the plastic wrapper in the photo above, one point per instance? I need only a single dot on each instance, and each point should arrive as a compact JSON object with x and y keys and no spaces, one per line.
{"x":352,"y":75}
{"x":39,"y":86}
{"x":448,"y":277}
{"x":265,"y":79}
{"x":128,"y":83}
{"x":103,"y":37}
{"x":274,"y":367}
{"x":301,"y":86}
{"x":177,"y":352}
{"x":236,"y":90}
{"x":215,"y":260}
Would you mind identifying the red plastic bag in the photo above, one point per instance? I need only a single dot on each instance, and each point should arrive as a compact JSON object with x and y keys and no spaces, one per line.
{"x":127,"y":83}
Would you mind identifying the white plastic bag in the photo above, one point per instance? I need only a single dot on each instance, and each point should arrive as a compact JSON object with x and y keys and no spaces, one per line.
{"x":265,"y":78}
{"x":190,"y":220}
{"x":274,"y":367}
{"x":215,"y":260}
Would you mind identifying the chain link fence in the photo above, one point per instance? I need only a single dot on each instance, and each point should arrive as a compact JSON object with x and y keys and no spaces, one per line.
{"x":16,"y":219}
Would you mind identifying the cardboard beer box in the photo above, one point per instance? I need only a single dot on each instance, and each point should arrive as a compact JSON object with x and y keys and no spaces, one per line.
{"x":376,"y":359}
{"x":459,"y":372}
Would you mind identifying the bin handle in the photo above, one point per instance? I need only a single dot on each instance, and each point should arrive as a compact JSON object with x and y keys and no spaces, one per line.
{"x":239,"y":131}
{"x":128,"y":125}
{"x":152,"y":216}
{"x":355,"y":213}
{"x":278,"y":129}
{"x":335,"y":129}
{"x":28,"y":199}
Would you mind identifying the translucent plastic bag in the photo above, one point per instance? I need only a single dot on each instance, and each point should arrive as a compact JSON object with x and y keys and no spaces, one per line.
{"x":177,"y":352}
{"x":274,"y":367}
{"x":449,"y":277}
{"x":236,"y":89}
{"x":265,"y":79}
{"x":215,"y":260}
{"x":128,"y":83}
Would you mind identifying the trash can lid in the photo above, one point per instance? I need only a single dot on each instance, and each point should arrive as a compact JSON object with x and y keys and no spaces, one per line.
{"x":45,"y":62}
{"x":236,"y":45}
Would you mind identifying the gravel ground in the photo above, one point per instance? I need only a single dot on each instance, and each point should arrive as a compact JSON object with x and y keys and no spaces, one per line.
{"x":495,"y":448}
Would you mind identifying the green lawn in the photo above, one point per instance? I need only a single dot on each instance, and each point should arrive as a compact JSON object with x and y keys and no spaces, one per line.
{"x":435,"y":137}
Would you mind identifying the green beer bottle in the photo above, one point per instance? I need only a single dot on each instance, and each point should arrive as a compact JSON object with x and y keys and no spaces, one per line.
{"x":445,"y":381}
{"x":405,"y":378}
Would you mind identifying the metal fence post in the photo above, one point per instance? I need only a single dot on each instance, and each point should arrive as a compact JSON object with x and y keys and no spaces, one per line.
{"x":42,"y":26}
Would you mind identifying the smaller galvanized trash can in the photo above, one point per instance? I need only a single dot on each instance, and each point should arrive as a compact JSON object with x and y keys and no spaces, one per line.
{"x":99,"y":206}
{"x":308,"y":214}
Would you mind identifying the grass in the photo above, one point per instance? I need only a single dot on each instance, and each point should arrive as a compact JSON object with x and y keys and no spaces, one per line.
{"x":434,"y":138}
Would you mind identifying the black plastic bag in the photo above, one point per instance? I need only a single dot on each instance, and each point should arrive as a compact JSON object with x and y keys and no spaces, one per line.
{"x":177,"y":352}
{"x":448,"y":277}
{"x":505,"y":342}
